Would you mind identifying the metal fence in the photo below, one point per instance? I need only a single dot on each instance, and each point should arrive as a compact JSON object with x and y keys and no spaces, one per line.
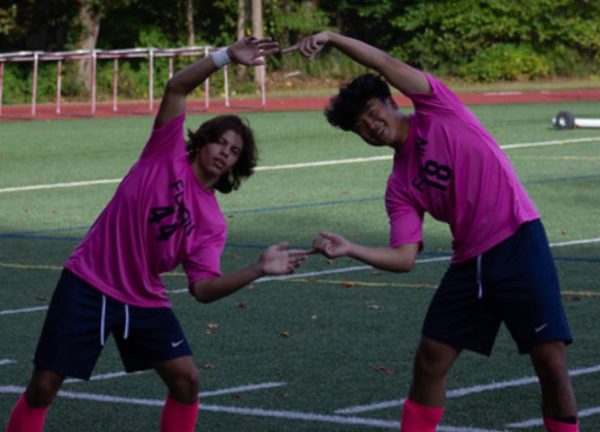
{"x":35,"y":57}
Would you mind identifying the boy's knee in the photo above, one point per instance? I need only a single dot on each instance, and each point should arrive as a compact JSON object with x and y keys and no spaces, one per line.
{"x":42,"y":388}
{"x":434,"y":358}
{"x":185,"y":388}
{"x":549,"y":361}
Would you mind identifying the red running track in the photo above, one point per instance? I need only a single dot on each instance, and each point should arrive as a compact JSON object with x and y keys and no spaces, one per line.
{"x":105,"y":109}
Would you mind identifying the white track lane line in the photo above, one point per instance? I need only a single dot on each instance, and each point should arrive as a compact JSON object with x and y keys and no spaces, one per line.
{"x":290,"y":166}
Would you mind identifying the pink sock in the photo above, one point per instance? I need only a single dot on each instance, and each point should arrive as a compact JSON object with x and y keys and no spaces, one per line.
{"x":178,"y":417}
{"x":552,"y":425}
{"x":24,"y":418}
{"x":420,"y":418}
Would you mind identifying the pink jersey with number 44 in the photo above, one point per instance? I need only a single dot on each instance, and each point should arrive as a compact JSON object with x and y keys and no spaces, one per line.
{"x":160,"y":217}
{"x":452,"y":168}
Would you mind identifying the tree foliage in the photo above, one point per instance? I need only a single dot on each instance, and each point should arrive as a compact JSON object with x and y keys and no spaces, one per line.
{"x":475,"y":39}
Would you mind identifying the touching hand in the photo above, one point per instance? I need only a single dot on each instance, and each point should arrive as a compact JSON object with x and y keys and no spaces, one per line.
{"x":331,"y":245}
{"x":250,"y":50}
{"x":278,"y":260}
{"x":309,"y":46}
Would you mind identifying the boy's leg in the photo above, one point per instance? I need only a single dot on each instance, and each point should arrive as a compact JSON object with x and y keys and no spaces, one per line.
{"x":69,"y":343}
{"x":180,"y":411}
{"x":29,"y":412}
{"x":425,"y":405}
{"x":558,"y":398}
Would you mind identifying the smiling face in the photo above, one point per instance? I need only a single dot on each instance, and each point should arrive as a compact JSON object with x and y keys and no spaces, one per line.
{"x":217,"y":158}
{"x":380,"y":123}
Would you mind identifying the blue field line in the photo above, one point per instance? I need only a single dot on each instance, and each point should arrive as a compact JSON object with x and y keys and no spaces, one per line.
{"x":560,"y":179}
{"x":307,"y":205}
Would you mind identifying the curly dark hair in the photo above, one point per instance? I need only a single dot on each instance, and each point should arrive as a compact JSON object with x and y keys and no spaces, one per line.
{"x":210,"y":132}
{"x":345,"y":108}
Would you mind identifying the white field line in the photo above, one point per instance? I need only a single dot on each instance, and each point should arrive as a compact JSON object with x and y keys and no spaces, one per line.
{"x":204,"y":394}
{"x":575,"y":242}
{"x":290,"y":166}
{"x":241,"y":389}
{"x":257,"y":412}
{"x":464,"y":391}
{"x":4,"y":362}
{"x":588,"y":412}
{"x":24,"y":310}
{"x":103,"y":377}
{"x":548,"y":143}
{"x":59,"y":185}
{"x":312,"y":274}
{"x":319,"y":273}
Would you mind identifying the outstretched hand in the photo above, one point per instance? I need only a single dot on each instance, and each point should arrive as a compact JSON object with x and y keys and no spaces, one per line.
{"x":331,"y":245}
{"x":250,"y":50}
{"x":278,"y":260}
{"x":309,"y":46}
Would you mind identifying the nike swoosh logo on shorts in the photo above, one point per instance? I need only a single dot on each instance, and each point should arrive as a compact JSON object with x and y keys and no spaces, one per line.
{"x":540,"y":328}
{"x":176,"y":344}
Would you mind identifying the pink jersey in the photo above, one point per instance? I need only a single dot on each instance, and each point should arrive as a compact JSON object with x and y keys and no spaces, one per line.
{"x":159,"y":217}
{"x":451,"y":168}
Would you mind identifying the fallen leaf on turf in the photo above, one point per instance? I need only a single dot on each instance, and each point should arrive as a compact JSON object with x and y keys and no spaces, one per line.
{"x":285,"y":333}
{"x":372,"y":305}
{"x":210,"y":327}
{"x":383,"y":369}
{"x":348,"y":284}
{"x":208,"y":366}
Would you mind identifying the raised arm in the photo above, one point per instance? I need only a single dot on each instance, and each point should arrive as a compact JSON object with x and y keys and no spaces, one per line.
{"x":400,"y":259}
{"x":275,"y":260}
{"x":399,"y":74}
{"x":248,"y":51}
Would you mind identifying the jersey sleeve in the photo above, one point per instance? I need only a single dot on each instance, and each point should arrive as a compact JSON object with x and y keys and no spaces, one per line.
{"x":165,"y":140}
{"x":406,"y":221}
{"x":205,"y":261}
{"x":441,"y":100}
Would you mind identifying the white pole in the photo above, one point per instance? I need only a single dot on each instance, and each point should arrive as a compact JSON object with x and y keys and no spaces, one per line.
{"x":151,"y":79}
{"x":226,"y":84}
{"x":34,"y":84}
{"x":58,"y":85}
{"x":94,"y":55}
{"x":263,"y":95}
{"x":115,"y":83}
{"x":206,"y":85}
{"x":1,"y":84}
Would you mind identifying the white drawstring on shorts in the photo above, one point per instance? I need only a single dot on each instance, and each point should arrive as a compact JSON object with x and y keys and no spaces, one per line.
{"x":126,"y":331}
{"x":103,"y":321}
{"x":479,"y":283}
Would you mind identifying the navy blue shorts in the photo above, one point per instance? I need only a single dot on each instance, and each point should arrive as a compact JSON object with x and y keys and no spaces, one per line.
{"x":515,"y":282}
{"x":81,"y":318}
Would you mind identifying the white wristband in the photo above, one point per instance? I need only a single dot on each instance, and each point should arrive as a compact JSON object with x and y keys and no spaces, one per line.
{"x":220,"y":58}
